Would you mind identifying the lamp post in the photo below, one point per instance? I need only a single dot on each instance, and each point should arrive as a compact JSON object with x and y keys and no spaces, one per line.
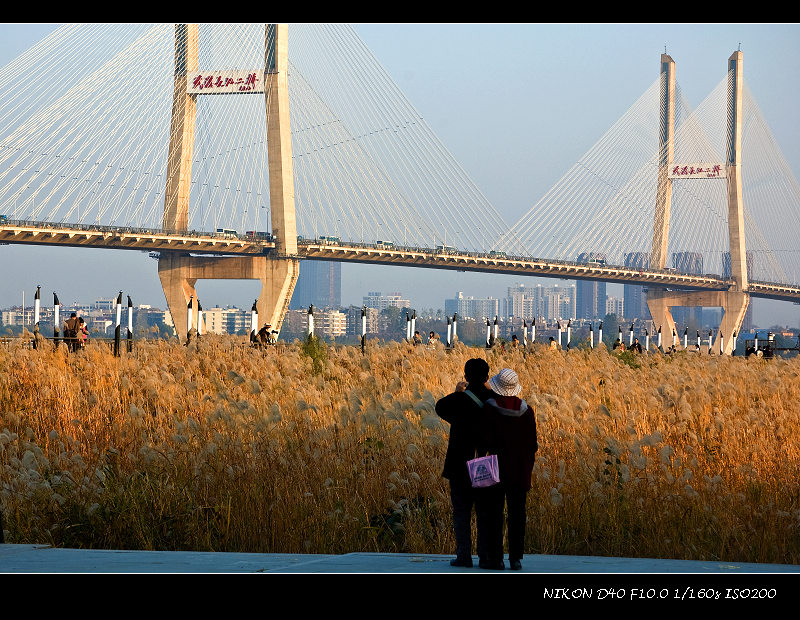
{"x":56,"y":318}
{"x":117,"y":327}
{"x":36,"y":308}
{"x":449,"y":331}
{"x":130,"y":325}
{"x":363,"y":330}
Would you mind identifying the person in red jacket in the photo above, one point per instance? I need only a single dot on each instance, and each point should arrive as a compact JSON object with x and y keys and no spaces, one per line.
{"x":509,"y":431}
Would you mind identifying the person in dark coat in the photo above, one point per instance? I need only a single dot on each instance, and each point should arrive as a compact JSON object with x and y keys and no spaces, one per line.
{"x":463,"y":409}
{"x":509,"y":431}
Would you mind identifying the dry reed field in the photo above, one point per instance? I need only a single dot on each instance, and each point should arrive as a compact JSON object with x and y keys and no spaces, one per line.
{"x":298,"y":449}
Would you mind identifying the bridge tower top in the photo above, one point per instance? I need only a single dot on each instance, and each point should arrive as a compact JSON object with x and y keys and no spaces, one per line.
{"x":734,"y":172}
{"x":274,"y":85}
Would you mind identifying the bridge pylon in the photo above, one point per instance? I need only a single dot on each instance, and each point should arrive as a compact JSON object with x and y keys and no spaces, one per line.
{"x":278,"y":270}
{"x":734,"y":302}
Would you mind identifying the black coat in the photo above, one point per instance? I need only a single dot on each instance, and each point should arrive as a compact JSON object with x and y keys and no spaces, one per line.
{"x":465,"y":418}
{"x":509,"y":431}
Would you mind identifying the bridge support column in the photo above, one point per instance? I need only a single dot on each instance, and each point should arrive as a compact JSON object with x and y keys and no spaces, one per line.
{"x":278,"y":273}
{"x":179,"y":273}
{"x":733,"y":303}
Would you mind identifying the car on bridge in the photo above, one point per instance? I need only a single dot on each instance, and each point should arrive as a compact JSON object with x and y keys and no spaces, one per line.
{"x":446,"y":249}
{"x":329,"y":240}
{"x":259,"y":236}
{"x":497,"y":254}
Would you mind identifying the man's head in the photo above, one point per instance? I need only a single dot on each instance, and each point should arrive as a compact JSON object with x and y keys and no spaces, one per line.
{"x":476,"y":370}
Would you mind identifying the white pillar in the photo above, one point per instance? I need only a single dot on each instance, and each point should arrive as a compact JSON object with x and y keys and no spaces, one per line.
{"x":36,"y":306}
{"x":254,"y":320}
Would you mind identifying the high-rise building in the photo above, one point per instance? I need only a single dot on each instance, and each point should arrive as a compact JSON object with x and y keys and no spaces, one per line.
{"x":616,"y":306}
{"x":472,"y":307}
{"x":319,"y":283}
{"x":540,"y":302}
{"x":635,"y":295}
{"x":590,"y":295}
{"x":688,"y":262}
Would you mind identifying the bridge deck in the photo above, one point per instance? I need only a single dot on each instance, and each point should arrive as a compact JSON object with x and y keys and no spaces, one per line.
{"x":195,"y":242}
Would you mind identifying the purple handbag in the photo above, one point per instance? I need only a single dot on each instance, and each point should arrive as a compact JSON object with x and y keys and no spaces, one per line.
{"x":484,"y":471}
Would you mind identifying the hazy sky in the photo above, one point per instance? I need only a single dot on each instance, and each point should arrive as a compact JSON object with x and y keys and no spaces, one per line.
{"x":516,"y":104}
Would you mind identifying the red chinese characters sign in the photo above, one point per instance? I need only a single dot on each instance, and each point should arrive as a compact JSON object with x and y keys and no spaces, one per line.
{"x":697,"y":171}
{"x":225,"y":82}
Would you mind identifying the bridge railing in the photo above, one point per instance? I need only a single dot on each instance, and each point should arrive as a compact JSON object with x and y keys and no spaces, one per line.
{"x":130,"y":230}
{"x":501,"y":256}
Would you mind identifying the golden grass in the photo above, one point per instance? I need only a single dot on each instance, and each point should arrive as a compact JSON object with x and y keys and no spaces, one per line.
{"x":222,"y":447}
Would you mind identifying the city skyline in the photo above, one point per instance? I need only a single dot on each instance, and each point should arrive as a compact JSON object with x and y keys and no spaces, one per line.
{"x":534,"y":84}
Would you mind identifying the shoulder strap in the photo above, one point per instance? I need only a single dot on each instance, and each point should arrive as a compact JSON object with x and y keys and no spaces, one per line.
{"x":475,"y":398}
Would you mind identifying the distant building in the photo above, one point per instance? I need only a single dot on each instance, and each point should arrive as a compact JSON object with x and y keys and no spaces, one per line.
{"x":635,"y":295}
{"x":590,"y":295}
{"x":471,"y":307}
{"x":688,"y":262}
{"x":381,"y":302}
{"x":615,"y":305}
{"x":227,"y":320}
{"x":540,"y":302}
{"x":354,"y":321}
{"x":319,"y":283}
{"x":329,"y":323}
{"x":107,"y":305}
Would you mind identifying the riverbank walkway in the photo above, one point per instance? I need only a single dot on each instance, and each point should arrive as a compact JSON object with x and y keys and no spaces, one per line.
{"x":45,"y":559}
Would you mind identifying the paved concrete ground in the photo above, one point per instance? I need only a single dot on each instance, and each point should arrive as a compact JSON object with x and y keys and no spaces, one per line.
{"x":45,"y":559}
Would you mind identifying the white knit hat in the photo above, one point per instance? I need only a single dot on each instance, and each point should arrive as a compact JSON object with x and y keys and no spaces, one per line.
{"x":505,"y":383}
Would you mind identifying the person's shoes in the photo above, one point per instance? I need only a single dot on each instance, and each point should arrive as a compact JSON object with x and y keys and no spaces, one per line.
{"x":515,"y":564}
{"x":486,"y":564}
{"x":461,"y":562}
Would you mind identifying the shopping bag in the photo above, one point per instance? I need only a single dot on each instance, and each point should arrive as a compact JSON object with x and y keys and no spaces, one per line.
{"x":484,"y":471}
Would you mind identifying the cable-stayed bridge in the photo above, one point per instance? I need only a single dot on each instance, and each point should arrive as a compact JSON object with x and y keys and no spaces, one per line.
{"x":139,"y":150}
